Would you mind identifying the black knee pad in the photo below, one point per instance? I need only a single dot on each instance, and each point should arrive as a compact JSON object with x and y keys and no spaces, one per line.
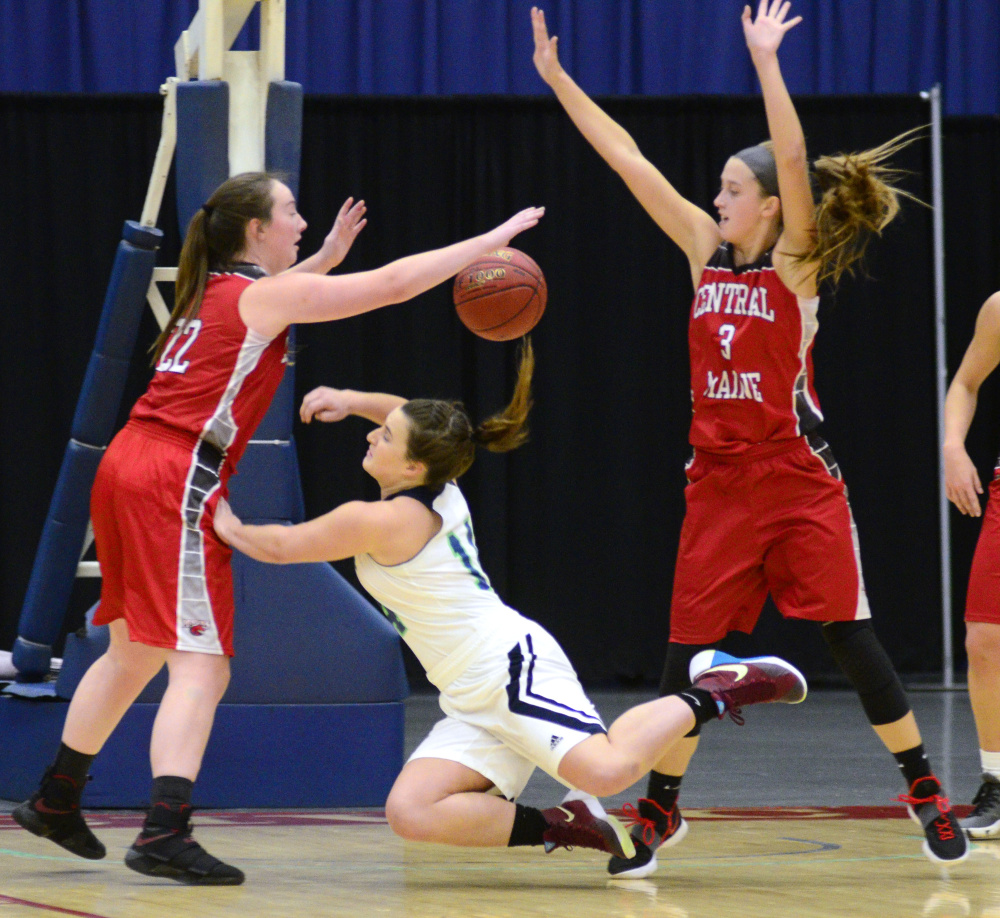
{"x":860,"y":655}
{"x":675,"y":676}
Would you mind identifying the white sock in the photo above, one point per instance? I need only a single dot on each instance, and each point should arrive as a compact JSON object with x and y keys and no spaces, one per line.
{"x":991,"y":762}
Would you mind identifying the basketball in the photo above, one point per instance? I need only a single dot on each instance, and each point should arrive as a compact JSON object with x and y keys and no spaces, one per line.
{"x":501,"y":296}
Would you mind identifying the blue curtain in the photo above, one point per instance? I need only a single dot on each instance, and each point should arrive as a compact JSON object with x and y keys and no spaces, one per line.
{"x":475,"y":47}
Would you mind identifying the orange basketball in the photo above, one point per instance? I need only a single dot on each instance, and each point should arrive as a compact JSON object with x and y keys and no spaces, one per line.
{"x":501,"y":296}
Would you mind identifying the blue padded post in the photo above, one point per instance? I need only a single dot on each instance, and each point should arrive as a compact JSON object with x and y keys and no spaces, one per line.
{"x":58,"y":554}
{"x":201,"y":161}
{"x":54,"y":570}
{"x":104,"y":384}
{"x":283,"y":131}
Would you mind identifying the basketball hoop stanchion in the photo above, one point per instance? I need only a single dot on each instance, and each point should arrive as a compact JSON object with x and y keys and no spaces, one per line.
{"x":314,"y":707}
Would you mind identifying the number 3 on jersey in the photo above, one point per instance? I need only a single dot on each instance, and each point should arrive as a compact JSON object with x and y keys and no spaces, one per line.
{"x":726,"y":333}
{"x":174,"y":363}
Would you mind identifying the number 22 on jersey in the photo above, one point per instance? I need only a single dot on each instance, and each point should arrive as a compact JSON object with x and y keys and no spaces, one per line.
{"x":171,"y":362}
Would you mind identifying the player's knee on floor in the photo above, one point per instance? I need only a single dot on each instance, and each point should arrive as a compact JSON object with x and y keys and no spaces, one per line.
{"x":407,"y":818}
{"x":858,"y":652}
{"x":676,"y":676}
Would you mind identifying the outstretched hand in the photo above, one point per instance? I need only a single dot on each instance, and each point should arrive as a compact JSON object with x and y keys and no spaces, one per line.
{"x":324,"y":404}
{"x":546,"y":56}
{"x":350,"y":221}
{"x":521,"y":221}
{"x":764,"y":34}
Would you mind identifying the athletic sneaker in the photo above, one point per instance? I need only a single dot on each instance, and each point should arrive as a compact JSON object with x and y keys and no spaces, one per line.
{"x":652,"y":828}
{"x":735,"y":682}
{"x":984,"y":820}
{"x":580,"y":822}
{"x":945,"y":841}
{"x":53,"y":812}
{"x":166,"y":849}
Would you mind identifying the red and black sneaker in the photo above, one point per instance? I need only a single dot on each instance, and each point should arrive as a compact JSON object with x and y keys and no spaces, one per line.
{"x":735,"y":682}
{"x":652,"y":828}
{"x":166,"y":849}
{"x":580,"y":822}
{"x":53,"y":812}
{"x":945,"y":841}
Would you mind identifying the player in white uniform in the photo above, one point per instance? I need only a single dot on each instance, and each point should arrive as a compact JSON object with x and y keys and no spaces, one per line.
{"x":511,"y":697}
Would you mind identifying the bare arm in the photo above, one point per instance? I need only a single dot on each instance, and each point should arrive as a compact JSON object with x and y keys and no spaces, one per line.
{"x":687,"y":225}
{"x":763,"y":36}
{"x":326,"y":404}
{"x":350,"y":221}
{"x":392,"y":531}
{"x":273,"y":303}
{"x":962,"y":484}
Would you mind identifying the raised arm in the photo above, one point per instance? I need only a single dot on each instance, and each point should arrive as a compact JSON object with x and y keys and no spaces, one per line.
{"x":273,"y":303}
{"x":326,"y":404}
{"x":694,"y":230}
{"x":350,"y":221}
{"x":962,"y":484}
{"x":763,"y":37}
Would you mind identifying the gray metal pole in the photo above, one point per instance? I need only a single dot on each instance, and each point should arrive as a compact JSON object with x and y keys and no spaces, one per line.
{"x":937,"y":200}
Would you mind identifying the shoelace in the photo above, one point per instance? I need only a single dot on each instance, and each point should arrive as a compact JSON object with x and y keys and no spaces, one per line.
{"x":943,"y":827}
{"x":633,"y":818}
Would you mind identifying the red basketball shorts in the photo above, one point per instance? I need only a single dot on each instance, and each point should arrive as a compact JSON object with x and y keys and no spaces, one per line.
{"x":982,"y":603}
{"x":163,"y":568}
{"x":777,"y":524}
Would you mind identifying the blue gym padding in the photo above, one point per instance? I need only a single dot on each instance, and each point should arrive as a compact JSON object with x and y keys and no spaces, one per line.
{"x":201,"y":161}
{"x":54,"y":569}
{"x":268,"y":755}
{"x":315,"y":640}
{"x":283,"y":132}
{"x":263,"y":488}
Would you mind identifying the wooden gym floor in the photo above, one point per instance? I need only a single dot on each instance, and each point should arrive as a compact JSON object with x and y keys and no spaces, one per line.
{"x":792,"y":815}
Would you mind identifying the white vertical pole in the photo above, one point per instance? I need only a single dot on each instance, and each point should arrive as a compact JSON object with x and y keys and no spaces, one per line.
{"x":937,"y":200}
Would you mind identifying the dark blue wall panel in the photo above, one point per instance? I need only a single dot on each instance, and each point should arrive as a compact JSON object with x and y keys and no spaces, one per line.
{"x":475,"y":47}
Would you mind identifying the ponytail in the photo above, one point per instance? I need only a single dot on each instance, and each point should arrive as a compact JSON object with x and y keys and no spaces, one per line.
{"x":442,"y":435}
{"x":857,"y":199}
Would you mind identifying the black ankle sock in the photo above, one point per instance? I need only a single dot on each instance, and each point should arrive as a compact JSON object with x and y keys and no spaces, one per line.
{"x":663,"y":790}
{"x":170,"y":806}
{"x":529,"y":827}
{"x":913,"y":764}
{"x":64,"y":782}
{"x":72,"y":764}
{"x":701,"y":703}
{"x":171,"y":790}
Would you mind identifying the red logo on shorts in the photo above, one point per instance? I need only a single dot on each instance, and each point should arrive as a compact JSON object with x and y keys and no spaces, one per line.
{"x":196,"y":629}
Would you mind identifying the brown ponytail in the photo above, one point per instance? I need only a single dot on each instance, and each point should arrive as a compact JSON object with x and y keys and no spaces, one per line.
{"x":216,"y":237}
{"x":858,"y":198}
{"x":442,"y":435}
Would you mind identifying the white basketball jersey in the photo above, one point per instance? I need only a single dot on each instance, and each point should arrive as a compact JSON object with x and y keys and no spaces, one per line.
{"x":441,"y":601}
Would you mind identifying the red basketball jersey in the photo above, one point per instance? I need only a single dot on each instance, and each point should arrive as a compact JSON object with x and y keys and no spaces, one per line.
{"x":216,"y":377}
{"x":751,"y":342}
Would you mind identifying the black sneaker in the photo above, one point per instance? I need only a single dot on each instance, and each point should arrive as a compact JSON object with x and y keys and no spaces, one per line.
{"x":652,"y":828}
{"x":945,"y":841}
{"x":53,"y":812}
{"x":984,"y":820}
{"x":166,"y":849}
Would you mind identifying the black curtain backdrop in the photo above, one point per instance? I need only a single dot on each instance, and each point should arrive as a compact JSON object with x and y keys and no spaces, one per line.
{"x":579,"y":528}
